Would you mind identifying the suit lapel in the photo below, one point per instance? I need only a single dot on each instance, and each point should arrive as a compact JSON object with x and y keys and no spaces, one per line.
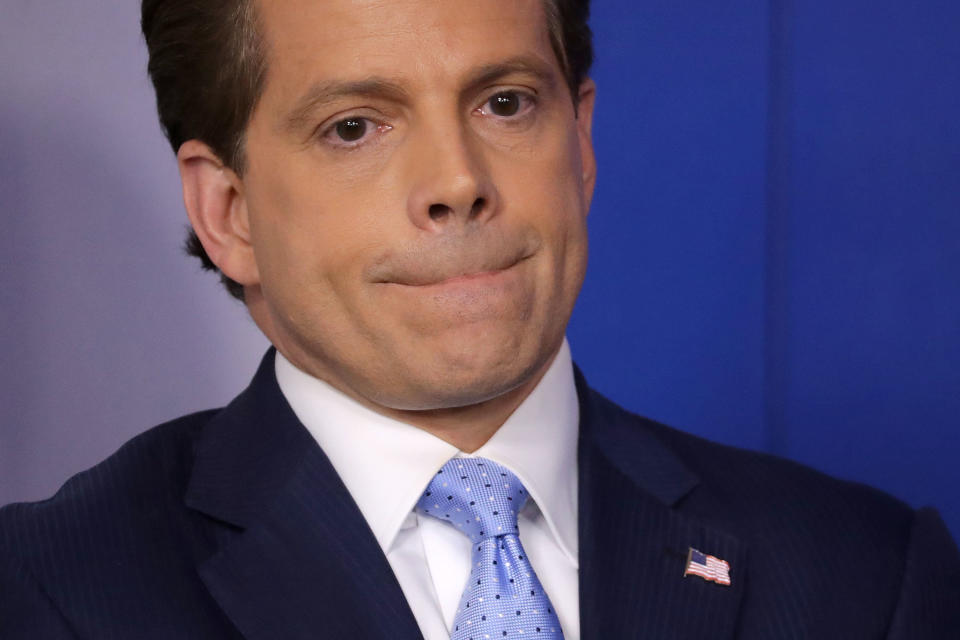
{"x":296,"y":559}
{"x":634,"y":541}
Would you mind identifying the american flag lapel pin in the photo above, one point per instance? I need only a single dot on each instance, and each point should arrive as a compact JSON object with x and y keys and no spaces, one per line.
{"x":707,"y":567}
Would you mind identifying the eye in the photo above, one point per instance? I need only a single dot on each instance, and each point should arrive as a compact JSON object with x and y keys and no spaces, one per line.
{"x":507,"y":104}
{"x":352,"y":131}
{"x":504,"y":104}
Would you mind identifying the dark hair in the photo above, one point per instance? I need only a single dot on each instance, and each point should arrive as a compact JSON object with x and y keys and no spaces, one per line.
{"x":207,"y":64}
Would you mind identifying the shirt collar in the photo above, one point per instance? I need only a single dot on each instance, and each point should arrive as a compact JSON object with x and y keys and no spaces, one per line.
{"x":385,"y":464}
{"x":538,"y":442}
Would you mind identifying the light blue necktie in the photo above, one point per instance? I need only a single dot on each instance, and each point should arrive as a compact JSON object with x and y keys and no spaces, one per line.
{"x":503,"y":597}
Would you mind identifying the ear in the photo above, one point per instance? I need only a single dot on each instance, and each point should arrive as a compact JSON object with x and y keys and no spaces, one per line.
{"x":586,"y":95}
{"x":214,"y":198}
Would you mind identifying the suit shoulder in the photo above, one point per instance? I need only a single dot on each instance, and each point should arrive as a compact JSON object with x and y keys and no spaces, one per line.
{"x":146,"y":472}
{"x":762,"y":489}
{"x":821,"y":556}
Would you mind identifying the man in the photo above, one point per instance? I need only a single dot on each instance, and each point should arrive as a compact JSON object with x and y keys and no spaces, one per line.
{"x":398,"y":191}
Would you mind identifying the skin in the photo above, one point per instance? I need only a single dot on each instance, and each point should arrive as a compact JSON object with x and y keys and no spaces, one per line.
{"x":426,"y":266}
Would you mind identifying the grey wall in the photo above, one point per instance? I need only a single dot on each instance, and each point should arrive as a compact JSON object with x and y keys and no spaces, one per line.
{"x":107,"y":328}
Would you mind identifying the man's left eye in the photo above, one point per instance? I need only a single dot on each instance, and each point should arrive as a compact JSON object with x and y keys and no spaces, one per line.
{"x":506,"y":104}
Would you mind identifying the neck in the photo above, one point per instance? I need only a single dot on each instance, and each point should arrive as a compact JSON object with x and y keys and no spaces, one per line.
{"x":466,"y":427}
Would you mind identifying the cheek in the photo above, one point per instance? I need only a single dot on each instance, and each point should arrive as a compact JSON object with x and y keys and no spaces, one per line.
{"x":563,"y":215}
{"x":556,"y":205}
{"x":308,"y":227}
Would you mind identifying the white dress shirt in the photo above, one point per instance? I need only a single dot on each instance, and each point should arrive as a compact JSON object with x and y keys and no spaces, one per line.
{"x":386,"y":465}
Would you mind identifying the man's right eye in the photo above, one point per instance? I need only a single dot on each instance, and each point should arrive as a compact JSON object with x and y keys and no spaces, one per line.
{"x":351,"y":130}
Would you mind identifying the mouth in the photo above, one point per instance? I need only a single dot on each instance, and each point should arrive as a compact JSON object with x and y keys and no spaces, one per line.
{"x":445,"y":268}
{"x":463,"y":276}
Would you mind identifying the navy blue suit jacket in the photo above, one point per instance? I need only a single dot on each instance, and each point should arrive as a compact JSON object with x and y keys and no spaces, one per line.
{"x":233,"y":524}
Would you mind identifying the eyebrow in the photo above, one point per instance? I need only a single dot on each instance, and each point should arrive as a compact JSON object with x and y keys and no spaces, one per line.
{"x":524,"y":64}
{"x":324,"y":93}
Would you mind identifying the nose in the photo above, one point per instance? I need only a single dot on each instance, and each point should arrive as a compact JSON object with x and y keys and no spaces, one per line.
{"x":451,"y":186}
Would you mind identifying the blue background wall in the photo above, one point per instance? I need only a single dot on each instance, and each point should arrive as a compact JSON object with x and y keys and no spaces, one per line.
{"x":776,"y":232}
{"x":775,"y":257}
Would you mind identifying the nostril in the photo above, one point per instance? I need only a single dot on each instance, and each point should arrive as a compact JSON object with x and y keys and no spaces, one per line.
{"x":477,"y":207}
{"x":438,"y":211}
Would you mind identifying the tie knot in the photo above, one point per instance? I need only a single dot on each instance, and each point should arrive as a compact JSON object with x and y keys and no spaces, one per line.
{"x":476,"y":495}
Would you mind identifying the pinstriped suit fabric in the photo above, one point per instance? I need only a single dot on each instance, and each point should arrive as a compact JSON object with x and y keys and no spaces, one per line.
{"x":233,"y":524}
{"x":811,"y":557}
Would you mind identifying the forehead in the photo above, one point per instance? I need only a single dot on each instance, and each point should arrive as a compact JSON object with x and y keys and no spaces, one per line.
{"x":416,"y":40}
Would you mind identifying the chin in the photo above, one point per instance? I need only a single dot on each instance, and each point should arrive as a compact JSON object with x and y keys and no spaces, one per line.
{"x":473,"y":371}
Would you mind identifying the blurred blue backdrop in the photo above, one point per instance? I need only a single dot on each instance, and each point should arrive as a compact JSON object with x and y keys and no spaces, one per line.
{"x":775,"y":238}
{"x":776,"y":232}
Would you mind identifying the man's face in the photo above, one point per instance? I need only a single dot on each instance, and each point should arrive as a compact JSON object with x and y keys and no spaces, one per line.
{"x":417,"y":184}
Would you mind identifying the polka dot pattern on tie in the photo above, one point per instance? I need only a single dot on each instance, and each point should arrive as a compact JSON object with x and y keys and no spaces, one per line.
{"x":503,"y":597}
